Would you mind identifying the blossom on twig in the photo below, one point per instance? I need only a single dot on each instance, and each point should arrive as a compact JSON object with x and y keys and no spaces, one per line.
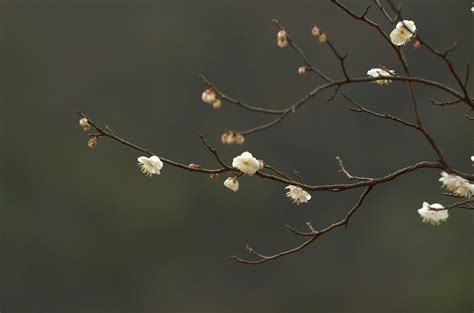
{"x":457,"y":185}
{"x":433,"y":214}
{"x":297,"y":194}
{"x":232,"y":183}
{"x":150,"y":166}
{"x":402,"y":32}
{"x":246,"y":163}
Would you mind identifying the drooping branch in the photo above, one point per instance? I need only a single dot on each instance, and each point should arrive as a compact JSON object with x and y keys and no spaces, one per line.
{"x":271,"y":173}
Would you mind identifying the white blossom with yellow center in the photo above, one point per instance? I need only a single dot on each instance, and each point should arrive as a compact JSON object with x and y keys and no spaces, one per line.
{"x":246,"y":163}
{"x":402,"y":32}
{"x":150,"y":166}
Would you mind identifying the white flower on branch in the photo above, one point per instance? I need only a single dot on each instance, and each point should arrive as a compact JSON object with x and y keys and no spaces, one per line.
{"x":246,"y":163}
{"x":457,"y":185}
{"x":472,"y":158}
{"x":232,"y":183}
{"x":150,"y":166}
{"x":433,"y":214}
{"x":381,"y":73}
{"x":297,"y":194}
{"x":402,"y":32}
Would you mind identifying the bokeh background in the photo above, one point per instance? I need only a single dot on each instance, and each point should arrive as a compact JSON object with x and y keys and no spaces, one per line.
{"x":82,"y":230}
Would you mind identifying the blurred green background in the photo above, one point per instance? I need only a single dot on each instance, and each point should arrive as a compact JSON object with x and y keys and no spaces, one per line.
{"x":82,"y":230}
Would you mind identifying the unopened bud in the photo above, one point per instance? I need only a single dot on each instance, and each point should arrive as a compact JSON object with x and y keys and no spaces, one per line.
{"x":239,"y":139}
{"x":208,"y":96}
{"x":282,"y":35}
{"x":417,"y":44}
{"x":302,"y":70}
{"x":194,"y":166}
{"x":84,"y":122}
{"x":229,"y":137}
{"x":315,"y":31}
{"x":261,"y":164}
{"x":214,"y":176}
{"x":92,"y":142}
{"x":217,"y":104}
{"x":323,"y":38}
{"x":282,"y":43}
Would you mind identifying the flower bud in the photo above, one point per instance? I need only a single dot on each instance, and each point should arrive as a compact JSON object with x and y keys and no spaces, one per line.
{"x":261,"y":164}
{"x":208,"y":96}
{"x":217,"y":104}
{"x":84,"y":122}
{"x":282,"y":35}
{"x":417,"y":44}
{"x":239,"y":139}
{"x":302,"y":70}
{"x":315,"y":31}
{"x":323,"y":38}
{"x":92,"y":142}
{"x":282,"y":43}
{"x":194,"y":166}
{"x":214,"y":176}
{"x":229,"y":137}
{"x":232,"y":183}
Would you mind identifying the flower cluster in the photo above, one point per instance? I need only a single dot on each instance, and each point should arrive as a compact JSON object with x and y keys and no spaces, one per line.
{"x":210,"y":96}
{"x":232,"y":137}
{"x":403,"y":32}
{"x":381,"y":73}
{"x":316,"y":32}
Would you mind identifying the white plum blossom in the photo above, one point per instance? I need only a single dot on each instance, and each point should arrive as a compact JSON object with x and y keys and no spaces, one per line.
{"x":472,"y":158}
{"x":457,"y":185}
{"x":379,"y":73}
{"x":232,"y":183}
{"x":433,"y":214}
{"x":246,"y":163}
{"x":297,"y":194}
{"x":402,"y":32}
{"x":150,"y":166}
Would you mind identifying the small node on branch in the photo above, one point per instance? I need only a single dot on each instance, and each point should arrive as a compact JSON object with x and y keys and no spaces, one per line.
{"x":194,"y":166}
{"x":311,"y":227}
